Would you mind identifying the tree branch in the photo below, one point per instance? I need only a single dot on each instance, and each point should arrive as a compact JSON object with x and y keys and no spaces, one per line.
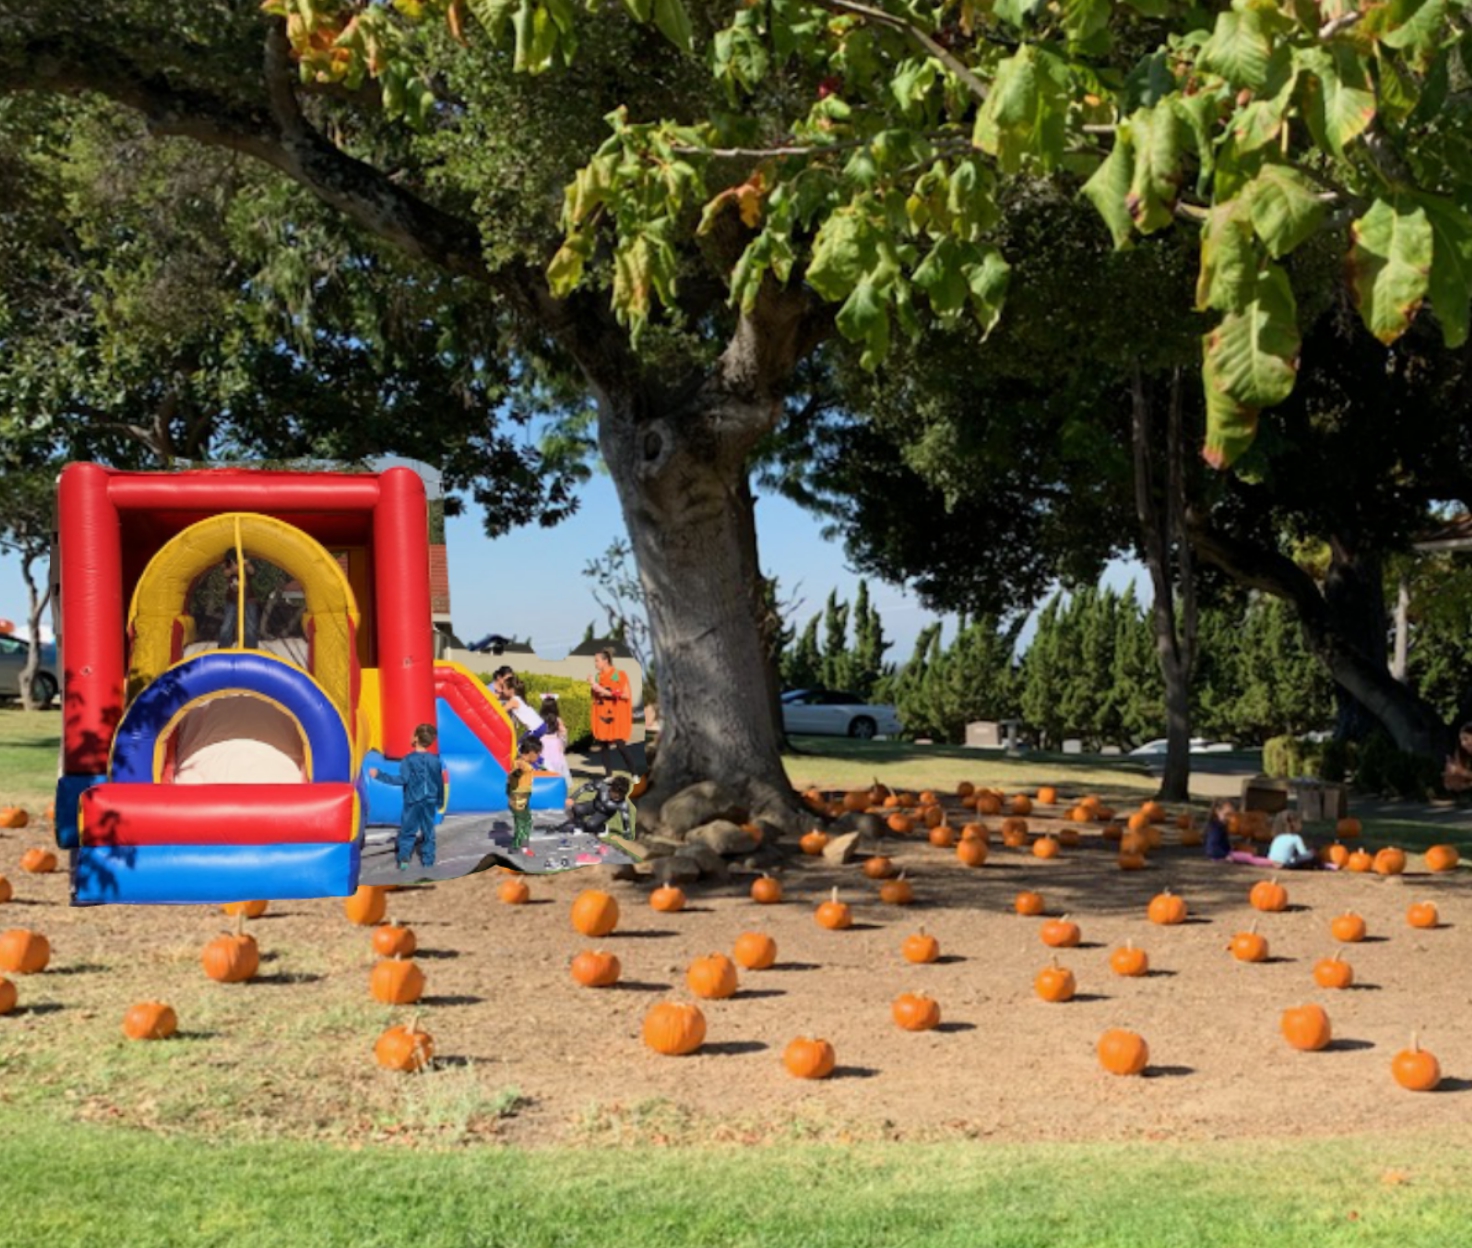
{"x":880,"y":17}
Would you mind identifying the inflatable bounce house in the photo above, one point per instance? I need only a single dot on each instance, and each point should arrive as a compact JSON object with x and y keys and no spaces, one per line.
{"x":211,"y":761}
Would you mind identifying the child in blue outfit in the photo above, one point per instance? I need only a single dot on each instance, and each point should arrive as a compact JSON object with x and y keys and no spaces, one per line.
{"x":422,"y":778}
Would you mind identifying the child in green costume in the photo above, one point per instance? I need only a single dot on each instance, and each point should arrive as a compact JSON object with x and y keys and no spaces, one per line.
{"x":519,"y":793}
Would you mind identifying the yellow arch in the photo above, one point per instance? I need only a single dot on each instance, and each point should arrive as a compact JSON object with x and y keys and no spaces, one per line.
{"x":159,"y":599}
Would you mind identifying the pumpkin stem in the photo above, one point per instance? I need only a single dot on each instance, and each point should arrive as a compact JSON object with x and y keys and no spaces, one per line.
{"x":834,"y":895}
{"x":239,"y":924}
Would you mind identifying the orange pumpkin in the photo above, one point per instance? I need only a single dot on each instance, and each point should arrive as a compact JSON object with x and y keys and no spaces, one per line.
{"x":1021,"y":804}
{"x":1442,"y":858}
{"x":766,"y":891}
{"x":1360,"y":861}
{"x":1423,"y":914}
{"x":1081,"y":814}
{"x":813,"y":842}
{"x":1055,"y":983}
{"x":1138,"y":821}
{"x":1060,"y":933}
{"x":1336,"y":854}
{"x":1268,"y":896}
{"x":755,"y":951}
{"x":1131,"y":862}
{"x":834,"y":914}
{"x":1415,"y":1069}
{"x":405,"y":1048}
{"x":6,"y":892}
{"x":915,"y":1011}
{"x":1014,"y":833}
{"x":251,"y":909}
{"x":1129,"y":961}
{"x":231,"y":959}
{"x":920,"y":947}
{"x":1390,"y":861}
{"x":1154,"y":812}
{"x":878,"y":867}
{"x":1348,"y":828}
{"x":932,"y":817}
{"x":1028,"y":903}
{"x":900,"y":825}
{"x":1068,"y":836}
{"x":8,"y":995}
{"x":1249,"y":946}
{"x":809,"y":1059}
{"x":1306,"y":1028}
{"x":965,"y":789}
{"x":1123,"y":1052}
{"x":366,"y":906}
{"x":24,"y":952}
{"x":674,"y":1029}
{"x":1113,"y":833}
{"x":1333,"y":972}
{"x":1348,"y":927}
{"x":713,"y":977}
{"x":975,"y":832}
{"x":593,"y":968}
{"x":942,"y":837}
{"x":514,"y":891}
{"x":394,"y":940}
{"x":150,"y":1020}
{"x":1045,"y":847}
{"x":594,"y":913}
{"x":897,"y":892}
{"x":855,"y":801}
{"x":1047,"y":795}
{"x":988,"y":804}
{"x":1167,"y":909}
{"x":971,"y":853}
{"x":396,"y":981}
{"x":14,"y":817}
{"x":668,"y":899}
{"x":1134,"y":843}
{"x":38,"y":861}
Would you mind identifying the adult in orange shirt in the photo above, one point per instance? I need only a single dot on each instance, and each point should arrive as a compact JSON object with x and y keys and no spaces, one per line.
{"x":613,"y":709}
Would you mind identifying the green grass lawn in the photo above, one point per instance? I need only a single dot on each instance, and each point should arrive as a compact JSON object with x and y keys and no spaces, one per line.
{"x":81,"y":1184}
{"x":30,"y":742}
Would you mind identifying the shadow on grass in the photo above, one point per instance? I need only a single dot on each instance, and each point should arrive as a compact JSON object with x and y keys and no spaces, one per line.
{"x":732,"y":1048}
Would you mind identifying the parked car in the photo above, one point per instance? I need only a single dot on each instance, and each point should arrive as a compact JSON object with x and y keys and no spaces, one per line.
{"x":835,"y":712}
{"x":1199,"y":745}
{"x":45,"y":686}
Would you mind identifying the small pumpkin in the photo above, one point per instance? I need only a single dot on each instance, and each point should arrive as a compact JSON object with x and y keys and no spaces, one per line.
{"x":1192,"y":837}
{"x":878,"y":867}
{"x":813,"y":842}
{"x":14,"y":817}
{"x":1129,"y":961}
{"x":405,"y":1048}
{"x":1423,"y":914}
{"x":1134,"y":843}
{"x":942,"y":837}
{"x":1335,"y":854}
{"x":900,"y":825}
{"x":1348,"y":828}
{"x":1068,"y":836}
{"x":915,"y":1011}
{"x":514,"y":891}
{"x":1112,"y":832}
{"x":1137,"y":822}
{"x":897,"y":892}
{"x":1442,"y":858}
{"x":809,"y":1059}
{"x":920,"y":947}
{"x":1014,"y":833}
{"x":150,"y":1020}
{"x":975,"y":832}
{"x":232,"y":958}
{"x":1021,"y":804}
{"x":766,"y":890}
{"x":674,"y":1029}
{"x":1060,"y":933}
{"x":856,"y":801}
{"x":1390,"y":861}
{"x":1360,"y":861}
{"x":755,"y":951}
{"x":8,"y":995}
{"x":988,"y":804}
{"x":667,"y":899}
{"x":1028,"y":903}
{"x":1348,"y":928}
{"x":367,"y":906}
{"x":965,"y":789}
{"x":394,"y":940}
{"x":713,"y":977}
{"x":594,"y":913}
{"x":1306,"y":1028}
{"x":6,"y":892}
{"x":1131,"y":862}
{"x":24,"y":952}
{"x":1268,"y":896}
{"x":1055,"y":983}
{"x":1123,"y":1052}
{"x":834,"y":914}
{"x":1333,"y":972}
{"x":971,"y":853}
{"x":1045,"y":847}
{"x":396,"y":981}
{"x":593,"y":968}
{"x":1047,"y":795}
{"x":1415,"y":1069}
{"x":1249,"y":946}
{"x":1167,"y":909}
{"x":1081,"y":814}
{"x":251,"y":909}
{"x":932,"y":817}
{"x":38,"y":861}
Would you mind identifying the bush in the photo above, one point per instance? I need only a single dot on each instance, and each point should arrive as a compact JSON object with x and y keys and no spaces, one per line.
{"x":574,"y":702}
{"x":1335,"y":762}
{"x":1382,"y":768}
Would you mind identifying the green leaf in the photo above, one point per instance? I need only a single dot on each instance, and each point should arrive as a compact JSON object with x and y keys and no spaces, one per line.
{"x":1109,"y":188}
{"x":1024,"y":114}
{"x":1016,"y":12}
{"x":492,"y":14}
{"x":988,"y":281}
{"x":1450,"y":286}
{"x":1342,"y":106}
{"x":1155,"y":135}
{"x":640,"y":10}
{"x":1285,"y":208}
{"x":939,"y":275}
{"x":1228,"y":276}
{"x":1390,"y":265}
{"x":674,"y":23}
{"x":565,"y":271}
{"x":844,"y":250}
{"x":864,"y":318}
{"x":1083,"y":19}
{"x":1199,"y":113}
{"x":1415,"y":27}
{"x":1239,"y":49}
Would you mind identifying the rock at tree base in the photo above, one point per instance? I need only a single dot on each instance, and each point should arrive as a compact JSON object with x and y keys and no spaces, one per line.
{"x":724,"y":837}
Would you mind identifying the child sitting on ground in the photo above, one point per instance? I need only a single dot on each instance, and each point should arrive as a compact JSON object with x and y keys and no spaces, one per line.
{"x":601,"y":801}
{"x":1218,"y":833}
{"x":421,"y":776}
{"x":1288,"y":849}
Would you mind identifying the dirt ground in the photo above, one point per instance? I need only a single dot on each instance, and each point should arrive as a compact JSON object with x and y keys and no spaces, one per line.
{"x":527,"y":1056}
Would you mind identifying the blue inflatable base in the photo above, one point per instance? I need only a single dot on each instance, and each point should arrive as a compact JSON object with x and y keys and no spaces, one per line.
{"x":69,"y":790}
{"x":213,"y":874}
{"x":477,"y":787}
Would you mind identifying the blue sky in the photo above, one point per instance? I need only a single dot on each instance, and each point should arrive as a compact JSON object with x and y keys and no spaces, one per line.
{"x":531,"y":583}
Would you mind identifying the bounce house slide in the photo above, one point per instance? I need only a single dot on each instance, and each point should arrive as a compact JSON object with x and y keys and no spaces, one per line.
{"x":475,"y":745}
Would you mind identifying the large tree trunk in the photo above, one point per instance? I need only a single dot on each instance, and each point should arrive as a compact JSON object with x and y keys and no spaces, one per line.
{"x":1161,"y":509}
{"x":1354,"y":592}
{"x":1413,"y":724}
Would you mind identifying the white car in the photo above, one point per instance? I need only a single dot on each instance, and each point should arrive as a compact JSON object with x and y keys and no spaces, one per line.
{"x":1199,"y":745}
{"x":836,"y":713}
